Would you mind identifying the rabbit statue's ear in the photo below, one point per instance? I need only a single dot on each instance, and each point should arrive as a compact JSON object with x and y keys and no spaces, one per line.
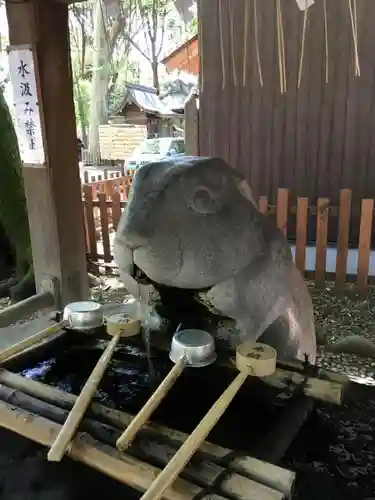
{"x":244,"y":189}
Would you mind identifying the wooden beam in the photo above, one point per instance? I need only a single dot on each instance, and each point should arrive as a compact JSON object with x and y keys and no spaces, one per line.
{"x":54,"y":192}
{"x":22,"y":21}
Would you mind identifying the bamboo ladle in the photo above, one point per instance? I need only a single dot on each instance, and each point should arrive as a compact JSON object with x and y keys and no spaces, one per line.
{"x":118,"y":326}
{"x":255,"y":359}
{"x":84,"y":315}
{"x":193,"y":348}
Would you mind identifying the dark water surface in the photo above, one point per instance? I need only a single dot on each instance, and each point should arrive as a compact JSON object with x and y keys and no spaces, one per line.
{"x":333,"y":455}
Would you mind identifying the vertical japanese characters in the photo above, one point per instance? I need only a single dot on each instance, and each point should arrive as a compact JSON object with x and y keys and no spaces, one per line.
{"x":26,"y":106}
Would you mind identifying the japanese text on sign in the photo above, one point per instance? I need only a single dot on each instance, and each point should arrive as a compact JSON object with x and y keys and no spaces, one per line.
{"x":28,"y":127}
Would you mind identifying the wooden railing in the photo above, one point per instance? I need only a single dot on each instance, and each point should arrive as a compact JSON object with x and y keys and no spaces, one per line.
{"x":104,"y":201}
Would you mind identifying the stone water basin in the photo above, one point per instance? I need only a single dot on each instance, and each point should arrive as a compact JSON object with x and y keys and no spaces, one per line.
{"x":333,"y":455}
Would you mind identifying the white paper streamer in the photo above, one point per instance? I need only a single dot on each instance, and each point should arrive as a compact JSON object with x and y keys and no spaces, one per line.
{"x":305,"y":4}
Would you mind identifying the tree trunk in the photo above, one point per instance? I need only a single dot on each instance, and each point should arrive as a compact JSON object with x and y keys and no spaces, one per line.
{"x":13,"y":209}
{"x":100,"y":78}
{"x":155,"y":76}
{"x":81,"y":112}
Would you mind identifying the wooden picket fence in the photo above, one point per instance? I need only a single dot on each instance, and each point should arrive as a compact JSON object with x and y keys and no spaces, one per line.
{"x":104,"y":201}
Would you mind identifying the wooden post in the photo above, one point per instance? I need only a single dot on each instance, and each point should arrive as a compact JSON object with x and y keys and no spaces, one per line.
{"x":53,"y":192}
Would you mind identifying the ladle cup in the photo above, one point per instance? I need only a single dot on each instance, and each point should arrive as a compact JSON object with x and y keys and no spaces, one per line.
{"x":84,"y":315}
{"x":255,"y":359}
{"x":118,"y":325}
{"x":193,"y":348}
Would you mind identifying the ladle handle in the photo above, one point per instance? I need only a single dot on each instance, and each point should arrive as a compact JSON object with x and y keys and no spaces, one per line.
{"x":83,"y":401}
{"x":167,"y":476}
{"x":31,"y":341}
{"x":145,"y":413}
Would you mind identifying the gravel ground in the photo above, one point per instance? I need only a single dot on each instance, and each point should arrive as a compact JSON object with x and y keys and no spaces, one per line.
{"x":341,"y":316}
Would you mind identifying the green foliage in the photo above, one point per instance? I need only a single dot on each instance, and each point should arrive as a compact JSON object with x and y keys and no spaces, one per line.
{"x":126,"y":72}
{"x":192,"y":27}
{"x":148,"y":7}
{"x":81,"y":91}
{"x":13,"y":208}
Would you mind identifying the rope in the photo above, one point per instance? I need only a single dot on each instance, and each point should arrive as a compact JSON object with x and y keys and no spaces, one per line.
{"x":281,"y":46}
{"x":302,"y":45}
{"x":231,"y":20}
{"x":353,"y":21}
{"x":245,"y":37}
{"x":257,"y":43}
{"x":281,"y":73}
{"x":220,"y":11}
{"x":326,"y":36}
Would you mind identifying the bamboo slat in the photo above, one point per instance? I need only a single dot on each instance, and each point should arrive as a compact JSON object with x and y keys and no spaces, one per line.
{"x":301,"y":236}
{"x":116,"y":209}
{"x":263,"y":204}
{"x":321,"y":240}
{"x":87,"y":450}
{"x":148,"y":449}
{"x":89,"y":212}
{"x":343,"y":237}
{"x":31,"y":341}
{"x":329,"y":387}
{"x":83,"y":401}
{"x":364,"y":249}
{"x":20,"y":310}
{"x":270,"y":475}
{"x":104,"y":226}
{"x":282,"y":209}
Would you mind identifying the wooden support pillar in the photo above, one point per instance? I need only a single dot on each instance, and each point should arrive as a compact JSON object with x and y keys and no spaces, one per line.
{"x":54,"y":192}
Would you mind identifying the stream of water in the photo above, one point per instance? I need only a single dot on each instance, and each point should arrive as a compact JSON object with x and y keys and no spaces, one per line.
{"x":146,"y":319}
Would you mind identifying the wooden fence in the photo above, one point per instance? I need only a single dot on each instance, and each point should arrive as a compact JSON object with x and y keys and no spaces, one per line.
{"x":107,"y":174}
{"x":104,"y":201}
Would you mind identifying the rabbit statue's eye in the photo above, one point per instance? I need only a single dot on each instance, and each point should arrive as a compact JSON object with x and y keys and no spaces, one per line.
{"x":204,"y":202}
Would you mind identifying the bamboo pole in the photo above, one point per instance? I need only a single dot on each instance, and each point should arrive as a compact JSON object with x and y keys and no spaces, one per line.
{"x":169,"y":474}
{"x":150,"y":406}
{"x":275,"y":444}
{"x":81,"y":404}
{"x":252,"y":359}
{"x":324,"y":386}
{"x":31,"y":341}
{"x":270,"y":475}
{"x":201,"y":472}
{"x":260,"y":72}
{"x":329,"y":387}
{"x":83,"y":448}
{"x":16,"y":312}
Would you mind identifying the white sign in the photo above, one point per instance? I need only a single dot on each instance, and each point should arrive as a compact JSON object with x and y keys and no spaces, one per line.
{"x":305,"y":4}
{"x":26,"y":107}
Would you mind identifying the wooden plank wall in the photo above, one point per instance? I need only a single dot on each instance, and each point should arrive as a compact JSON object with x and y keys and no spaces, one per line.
{"x":313,"y":140}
